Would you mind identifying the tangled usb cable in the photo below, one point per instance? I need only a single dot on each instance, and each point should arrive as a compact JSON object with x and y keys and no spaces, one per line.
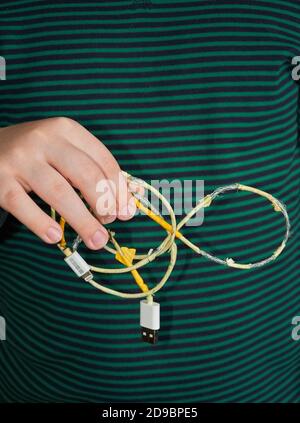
{"x":150,"y":310}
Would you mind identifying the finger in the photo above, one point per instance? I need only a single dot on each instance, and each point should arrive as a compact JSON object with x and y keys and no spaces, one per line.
{"x":85,"y":174}
{"x":88,"y":143}
{"x":53,"y":188}
{"x":17,"y":202}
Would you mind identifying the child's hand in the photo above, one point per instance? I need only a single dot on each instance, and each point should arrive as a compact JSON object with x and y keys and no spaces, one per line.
{"x":49,"y":157}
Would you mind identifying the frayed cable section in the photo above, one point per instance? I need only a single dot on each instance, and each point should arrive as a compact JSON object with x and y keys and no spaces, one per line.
{"x":132,"y":261}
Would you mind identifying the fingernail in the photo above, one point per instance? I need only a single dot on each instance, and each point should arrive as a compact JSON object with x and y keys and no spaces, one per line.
{"x":99,"y":239}
{"x":108,"y":219}
{"x":54,"y":234}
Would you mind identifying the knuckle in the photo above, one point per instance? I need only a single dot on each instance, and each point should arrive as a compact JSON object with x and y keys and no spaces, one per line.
{"x":63,"y":122}
{"x":89,"y":176}
{"x":115,"y":172}
{"x":37,"y":151}
{"x":87,"y":173}
{"x":16,"y":155}
{"x":110,"y":164}
{"x":36,"y":133}
{"x":32,"y":145}
{"x":58,"y":189}
{"x":85,"y":226}
{"x":6,"y":170}
{"x":11,"y":198}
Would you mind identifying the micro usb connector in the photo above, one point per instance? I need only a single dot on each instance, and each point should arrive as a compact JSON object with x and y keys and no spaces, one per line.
{"x":149,"y":321}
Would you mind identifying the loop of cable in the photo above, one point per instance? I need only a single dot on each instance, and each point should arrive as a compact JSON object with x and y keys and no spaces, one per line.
{"x":168,"y":245}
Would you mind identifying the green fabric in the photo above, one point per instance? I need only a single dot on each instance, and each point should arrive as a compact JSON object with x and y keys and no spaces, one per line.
{"x":196,"y":90}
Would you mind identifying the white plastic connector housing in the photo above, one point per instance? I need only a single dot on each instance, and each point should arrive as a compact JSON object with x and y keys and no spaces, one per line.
{"x":77,"y":264}
{"x":149,"y":320}
{"x":150,"y":315}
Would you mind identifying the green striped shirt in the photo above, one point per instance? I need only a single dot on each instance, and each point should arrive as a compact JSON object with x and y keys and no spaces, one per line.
{"x":185,"y":90}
